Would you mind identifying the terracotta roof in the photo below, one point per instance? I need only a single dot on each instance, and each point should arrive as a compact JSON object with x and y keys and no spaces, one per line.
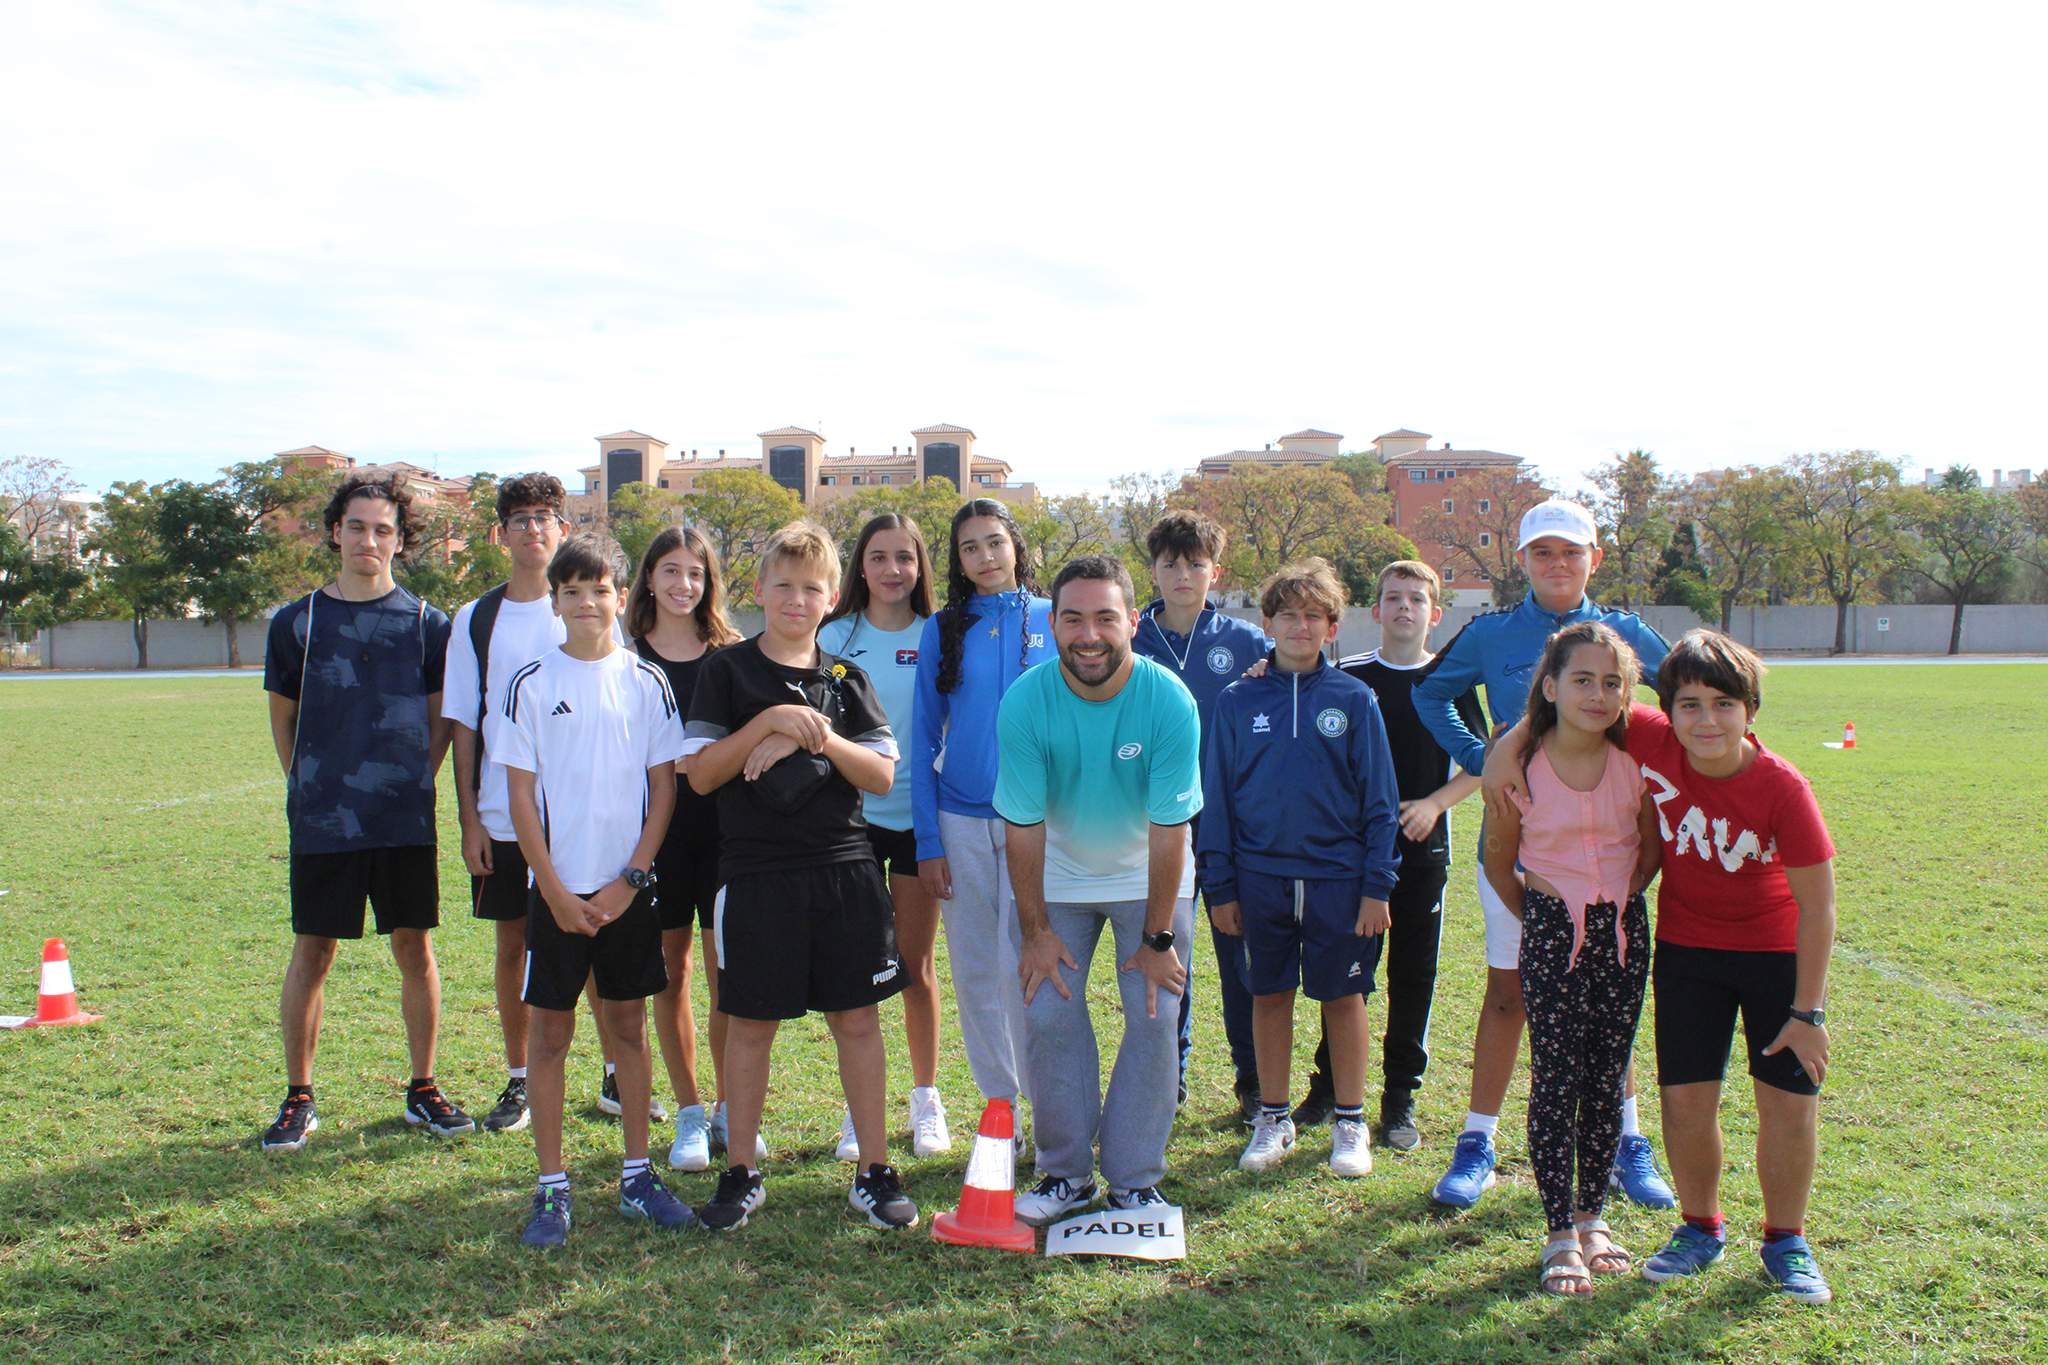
{"x":943,"y":429}
{"x":1402,"y":434}
{"x":1311,"y":434}
{"x":1442,"y":456}
{"x":310,"y":450}
{"x":789,"y":431}
{"x":631,"y":436}
{"x":1275,"y":455}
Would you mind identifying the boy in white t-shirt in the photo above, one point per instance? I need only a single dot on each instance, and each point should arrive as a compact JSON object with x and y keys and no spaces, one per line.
{"x":588,"y":737}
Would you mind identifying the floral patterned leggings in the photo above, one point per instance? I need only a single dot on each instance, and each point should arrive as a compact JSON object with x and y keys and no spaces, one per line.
{"x":1582,"y":1027}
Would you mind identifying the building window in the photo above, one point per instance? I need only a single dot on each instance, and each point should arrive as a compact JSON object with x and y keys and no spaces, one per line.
{"x":1485,"y":539}
{"x":786,"y":467}
{"x":981,"y":478}
{"x":1417,"y":475}
{"x":661,"y":483}
{"x":1450,"y":571}
{"x":856,"y":480}
{"x":1486,"y":504}
{"x":1448,"y":506}
{"x":885,"y":478}
{"x":825,"y":480}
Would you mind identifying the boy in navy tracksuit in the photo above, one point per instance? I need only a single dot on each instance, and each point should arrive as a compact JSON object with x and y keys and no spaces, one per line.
{"x":1297,"y":853}
{"x":1207,"y":651}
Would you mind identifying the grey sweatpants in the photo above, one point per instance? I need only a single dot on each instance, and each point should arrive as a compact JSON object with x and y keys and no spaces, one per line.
{"x":1070,"y":1110}
{"x":982,"y":942}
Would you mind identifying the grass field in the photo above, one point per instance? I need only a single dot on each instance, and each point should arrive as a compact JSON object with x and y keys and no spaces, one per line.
{"x":142,"y":821}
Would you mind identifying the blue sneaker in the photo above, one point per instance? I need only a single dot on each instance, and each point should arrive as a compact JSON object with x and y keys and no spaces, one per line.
{"x":1689,"y":1251}
{"x":644,"y":1196}
{"x":1791,"y":1266}
{"x":549,"y":1226}
{"x":1471,"y":1173}
{"x":1636,"y":1174}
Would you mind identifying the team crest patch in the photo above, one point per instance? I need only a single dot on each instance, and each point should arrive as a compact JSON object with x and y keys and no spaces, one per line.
{"x":1262,"y":724}
{"x":1332,"y":722}
{"x":1220,"y":660}
{"x":1130,"y":751}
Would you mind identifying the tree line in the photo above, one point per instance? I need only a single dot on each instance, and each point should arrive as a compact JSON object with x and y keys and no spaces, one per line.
{"x":1839,"y":527}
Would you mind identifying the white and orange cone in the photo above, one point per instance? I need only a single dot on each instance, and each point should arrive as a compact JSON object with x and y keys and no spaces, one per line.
{"x":57,"y":1003}
{"x":987,"y":1216}
{"x":1848,"y":739}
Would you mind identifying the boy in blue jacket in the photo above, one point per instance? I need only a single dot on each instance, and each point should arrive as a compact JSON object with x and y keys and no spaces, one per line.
{"x":1207,"y":651}
{"x":1297,"y":853}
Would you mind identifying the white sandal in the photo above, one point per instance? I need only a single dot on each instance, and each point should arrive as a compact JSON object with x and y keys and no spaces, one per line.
{"x":1613,"y":1248}
{"x":1555,"y":1276}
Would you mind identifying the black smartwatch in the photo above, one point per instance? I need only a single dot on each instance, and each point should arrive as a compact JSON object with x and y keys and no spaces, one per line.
{"x":1161,"y":942}
{"x":1816,"y":1016}
{"x":637,"y":879}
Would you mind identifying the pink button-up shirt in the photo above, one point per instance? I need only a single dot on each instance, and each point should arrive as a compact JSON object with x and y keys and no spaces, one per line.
{"x":1584,"y":843}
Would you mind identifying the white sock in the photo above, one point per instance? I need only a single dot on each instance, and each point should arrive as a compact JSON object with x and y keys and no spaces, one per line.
{"x":1476,"y":1122}
{"x":634,"y":1166}
{"x":611,"y":1068}
{"x":517,"y":1073}
{"x":558,"y":1181}
{"x":1628,"y":1118}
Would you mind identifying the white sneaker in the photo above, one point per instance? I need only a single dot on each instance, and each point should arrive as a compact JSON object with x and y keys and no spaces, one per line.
{"x":692,"y":1149}
{"x":1052,"y":1196}
{"x":1350,"y":1147}
{"x":928,"y":1132}
{"x":1272,"y":1140}
{"x":849,"y":1141}
{"x":718,"y":1135}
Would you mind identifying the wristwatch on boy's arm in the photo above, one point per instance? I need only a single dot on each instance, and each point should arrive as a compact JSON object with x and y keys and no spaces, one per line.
{"x":637,"y":879}
{"x":1161,"y":942}
{"x":1816,"y":1016}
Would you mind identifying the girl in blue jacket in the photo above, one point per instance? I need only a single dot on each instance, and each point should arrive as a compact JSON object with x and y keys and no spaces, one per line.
{"x":992,"y":628}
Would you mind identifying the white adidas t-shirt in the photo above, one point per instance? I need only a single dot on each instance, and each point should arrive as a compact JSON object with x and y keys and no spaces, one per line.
{"x":522,"y":633}
{"x":589,"y":732}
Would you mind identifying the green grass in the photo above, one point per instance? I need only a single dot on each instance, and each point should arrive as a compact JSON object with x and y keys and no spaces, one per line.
{"x":141,"y":820}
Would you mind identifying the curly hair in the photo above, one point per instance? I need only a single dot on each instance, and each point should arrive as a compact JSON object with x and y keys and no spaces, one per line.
{"x":1557,"y":656}
{"x":1310,"y":582}
{"x":714,"y":628}
{"x":381,"y":488}
{"x":960,"y":589}
{"x":531,"y":490}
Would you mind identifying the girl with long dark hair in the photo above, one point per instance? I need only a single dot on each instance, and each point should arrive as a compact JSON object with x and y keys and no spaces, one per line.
{"x":878,"y":622}
{"x":994,"y":626}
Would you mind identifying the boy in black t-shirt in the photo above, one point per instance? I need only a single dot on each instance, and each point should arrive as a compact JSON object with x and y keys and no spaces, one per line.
{"x":790,"y":736}
{"x":1407,"y":606}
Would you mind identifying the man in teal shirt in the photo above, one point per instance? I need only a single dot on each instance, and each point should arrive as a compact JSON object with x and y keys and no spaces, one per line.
{"x":1099,"y":774}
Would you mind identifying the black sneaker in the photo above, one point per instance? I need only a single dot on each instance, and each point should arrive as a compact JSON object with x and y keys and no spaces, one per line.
{"x":295,"y":1123}
{"x":427,"y":1105}
{"x":1397,"y":1120}
{"x":1318,"y":1105}
{"x":879,"y":1194}
{"x":1247,"y":1092}
{"x":740,"y":1191}
{"x":1142,"y":1197}
{"x":510,"y":1113}
{"x":608,"y":1100}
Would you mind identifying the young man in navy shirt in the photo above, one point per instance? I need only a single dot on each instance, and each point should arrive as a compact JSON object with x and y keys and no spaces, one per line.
{"x":1207,"y":651}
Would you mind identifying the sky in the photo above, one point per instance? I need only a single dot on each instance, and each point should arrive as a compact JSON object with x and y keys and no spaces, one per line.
{"x":1106,"y":236}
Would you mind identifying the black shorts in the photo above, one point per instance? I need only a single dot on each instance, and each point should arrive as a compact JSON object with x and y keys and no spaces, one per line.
{"x":402,"y":885}
{"x":895,"y":850}
{"x":624,"y":956}
{"x":502,"y":895}
{"x":816,"y":938}
{"x":1699,"y":990}
{"x":686,"y":884}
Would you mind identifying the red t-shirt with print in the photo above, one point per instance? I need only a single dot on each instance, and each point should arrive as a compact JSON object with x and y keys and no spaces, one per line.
{"x":1727,"y":843}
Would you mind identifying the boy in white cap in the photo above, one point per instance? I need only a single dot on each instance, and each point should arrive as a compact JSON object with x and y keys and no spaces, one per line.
{"x":1559,"y":548}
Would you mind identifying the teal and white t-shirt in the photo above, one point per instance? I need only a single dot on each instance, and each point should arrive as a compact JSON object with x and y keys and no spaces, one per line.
{"x":1099,"y":774}
{"x":890,"y":660}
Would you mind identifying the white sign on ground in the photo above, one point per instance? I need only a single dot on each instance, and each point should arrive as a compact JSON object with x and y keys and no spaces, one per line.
{"x":1149,"y":1233}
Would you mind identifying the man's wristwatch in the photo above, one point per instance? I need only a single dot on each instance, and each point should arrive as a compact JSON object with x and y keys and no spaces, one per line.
{"x":1816,"y":1016}
{"x":637,"y":879}
{"x":1161,"y":942}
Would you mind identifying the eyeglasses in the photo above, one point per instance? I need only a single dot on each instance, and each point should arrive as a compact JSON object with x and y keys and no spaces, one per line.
{"x":530,"y":521}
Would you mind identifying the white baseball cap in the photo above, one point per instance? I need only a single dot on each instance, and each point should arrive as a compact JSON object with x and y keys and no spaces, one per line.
{"x":1558,"y":518}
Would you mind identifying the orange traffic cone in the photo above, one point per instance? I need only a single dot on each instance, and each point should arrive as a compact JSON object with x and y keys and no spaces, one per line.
{"x":1848,"y":734}
{"x":987,"y":1216}
{"x":58,"y":1001}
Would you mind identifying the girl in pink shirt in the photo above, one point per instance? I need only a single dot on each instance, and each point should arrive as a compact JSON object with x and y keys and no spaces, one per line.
{"x":1572,"y":859}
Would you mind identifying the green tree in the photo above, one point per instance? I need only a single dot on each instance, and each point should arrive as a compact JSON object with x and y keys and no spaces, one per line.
{"x":1275,"y":517}
{"x":1681,"y":577}
{"x":1367,"y":474}
{"x":1739,"y":518}
{"x":1841,"y":505}
{"x":1066,"y":526}
{"x":221,"y":537}
{"x":134,"y":572}
{"x":1137,"y":501}
{"x":930,"y":503}
{"x":2030,"y":503}
{"x":35,"y":590}
{"x":738,"y":509}
{"x":1968,"y":539}
{"x":1633,"y":507}
{"x":1363,"y":557}
{"x":639,"y":513}
{"x":1483,"y":524}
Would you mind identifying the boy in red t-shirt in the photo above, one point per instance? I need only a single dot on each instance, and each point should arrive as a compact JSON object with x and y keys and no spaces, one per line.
{"x":1745,"y":922}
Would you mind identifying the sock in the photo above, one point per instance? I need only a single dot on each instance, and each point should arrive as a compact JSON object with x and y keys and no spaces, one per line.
{"x":1715,"y":1226}
{"x":1476,"y":1122}
{"x":611,"y":1068}
{"x":1354,"y":1114}
{"x":558,"y":1181}
{"x":418,"y":1083}
{"x":1772,"y":1234}
{"x":1275,"y":1112}
{"x":292,"y":1092}
{"x":634,"y":1166}
{"x":517,"y":1073}
{"x":1628,"y":1118}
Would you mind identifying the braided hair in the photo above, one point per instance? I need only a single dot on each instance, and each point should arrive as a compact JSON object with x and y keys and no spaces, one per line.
{"x":960,"y":590}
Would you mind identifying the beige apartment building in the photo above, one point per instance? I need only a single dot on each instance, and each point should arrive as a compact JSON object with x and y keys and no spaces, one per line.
{"x":795,"y":457}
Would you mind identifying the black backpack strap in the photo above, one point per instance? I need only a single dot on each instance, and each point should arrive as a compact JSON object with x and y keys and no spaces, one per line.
{"x":483,"y":619}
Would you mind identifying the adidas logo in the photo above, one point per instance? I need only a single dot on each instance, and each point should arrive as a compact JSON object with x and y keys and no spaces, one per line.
{"x":561,"y":709}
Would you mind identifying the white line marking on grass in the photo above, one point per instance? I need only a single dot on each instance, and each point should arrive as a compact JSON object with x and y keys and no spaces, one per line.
{"x":206,"y":796}
{"x":1992,"y":1014}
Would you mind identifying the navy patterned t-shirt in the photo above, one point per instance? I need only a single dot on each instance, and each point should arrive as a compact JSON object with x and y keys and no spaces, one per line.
{"x":360,"y":773}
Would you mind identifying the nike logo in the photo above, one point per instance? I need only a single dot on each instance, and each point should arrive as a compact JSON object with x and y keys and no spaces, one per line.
{"x":561,"y":709}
